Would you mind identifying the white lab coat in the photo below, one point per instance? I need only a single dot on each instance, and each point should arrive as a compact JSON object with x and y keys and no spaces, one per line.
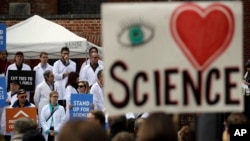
{"x":3,"y":120}
{"x":89,"y":75}
{"x":69,"y":90}
{"x":39,"y":72}
{"x":85,"y":63}
{"x":41,"y":96}
{"x":11,"y":99}
{"x":56,"y":120}
{"x":13,"y":67}
{"x":98,"y":97}
{"x":58,"y":70}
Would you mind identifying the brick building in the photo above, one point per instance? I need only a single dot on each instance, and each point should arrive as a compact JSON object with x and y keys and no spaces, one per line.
{"x":83,"y":18}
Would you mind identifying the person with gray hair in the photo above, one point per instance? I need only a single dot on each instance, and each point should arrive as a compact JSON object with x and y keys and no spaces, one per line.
{"x":41,"y":95}
{"x":21,"y":126}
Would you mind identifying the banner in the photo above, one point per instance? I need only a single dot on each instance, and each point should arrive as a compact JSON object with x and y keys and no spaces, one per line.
{"x":2,"y":37}
{"x":173,"y":57}
{"x":3,"y":92}
{"x":81,"y":105}
{"x":25,"y":78}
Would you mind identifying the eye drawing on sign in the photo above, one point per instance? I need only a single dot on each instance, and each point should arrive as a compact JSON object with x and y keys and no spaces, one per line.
{"x":202,"y":34}
{"x":135,"y":33}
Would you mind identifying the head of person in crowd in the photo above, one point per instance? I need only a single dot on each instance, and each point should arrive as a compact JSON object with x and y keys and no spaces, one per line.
{"x":33,"y":135}
{"x":53,"y":98}
{"x":23,"y":125}
{"x":158,"y":126}
{"x":14,"y":86}
{"x":48,"y":76}
{"x":65,"y":54}
{"x":19,"y":58}
{"x":93,"y":50}
{"x":247,"y":65}
{"x":137,"y":125}
{"x":21,"y":99}
{"x":2,"y":137}
{"x":73,"y":79}
{"x":97,"y":117}
{"x":117,"y":123}
{"x":130,"y":125}
{"x":3,"y":55}
{"x":123,"y":136}
{"x":44,"y":58}
{"x":94,"y":57}
{"x":83,"y":87}
{"x":100,"y":78}
{"x":81,"y":130}
{"x":184,"y":134}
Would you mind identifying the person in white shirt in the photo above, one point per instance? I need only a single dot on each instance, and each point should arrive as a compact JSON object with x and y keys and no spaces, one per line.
{"x":52,"y":117}
{"x":97,"y":91}
{"x":41,"y":95}
{"x":61,"y":70}
{"x":42,"y":67}
{"x":12,"y":94}
{"x":91,"y":50}
{"x":89,"y":72}
{"x":18,"y":65}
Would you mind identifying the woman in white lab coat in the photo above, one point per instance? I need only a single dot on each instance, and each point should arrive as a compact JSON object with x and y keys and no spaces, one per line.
{"x":52,"y":117}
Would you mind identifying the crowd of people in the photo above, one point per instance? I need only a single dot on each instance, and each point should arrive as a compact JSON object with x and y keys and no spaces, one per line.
{"x":54,"y":85}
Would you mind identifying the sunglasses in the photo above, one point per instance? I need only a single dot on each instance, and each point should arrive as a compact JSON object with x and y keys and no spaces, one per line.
{"x":22,"y":97}
{"x":80,"y":86}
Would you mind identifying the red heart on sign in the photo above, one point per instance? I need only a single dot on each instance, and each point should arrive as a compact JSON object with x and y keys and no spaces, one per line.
{"x":203,"y":34}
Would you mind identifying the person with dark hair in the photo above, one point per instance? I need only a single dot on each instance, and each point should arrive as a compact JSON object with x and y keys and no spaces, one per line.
{"x":159,"y":126}
{"x":97,"y":117}
{"x":97,"y":91}
{"x":18,"y":65}
{"x":41,"y":67}
{"x":61,"y":70}
{"x":22,"y":126}
{"x":21,"y":102}
{"x":52,"y":117}
{"x":33,"y":135}
{"x":81,"y":130}
{"x":4,"y":63}
{"x":91,"y":50}
{"x":71,"y":88}
{"x":12,"y":94}
{"x":89,"y":72}
{"x":123,"y":136}
{"x":117,"y":123}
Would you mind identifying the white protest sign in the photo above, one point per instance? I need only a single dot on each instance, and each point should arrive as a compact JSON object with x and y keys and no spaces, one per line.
{"x":174,"y":57}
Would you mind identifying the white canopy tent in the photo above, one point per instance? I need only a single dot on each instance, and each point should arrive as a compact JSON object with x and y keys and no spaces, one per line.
{"x":37,"y":34}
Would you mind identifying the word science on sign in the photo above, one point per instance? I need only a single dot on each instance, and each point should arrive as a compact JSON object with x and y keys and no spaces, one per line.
{"x":184,"y":57}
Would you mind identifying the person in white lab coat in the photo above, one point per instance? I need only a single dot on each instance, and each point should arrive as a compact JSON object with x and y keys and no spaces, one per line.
{"x":42,"y":67}
{"x":41,"y":95}
{"x":61,"y":70}
{"x":97,"y":91}
{"x":52,"y":117}
{"x":18,"y":65}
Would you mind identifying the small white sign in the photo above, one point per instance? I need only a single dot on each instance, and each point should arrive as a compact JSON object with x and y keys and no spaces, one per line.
{"x":174,"y":57}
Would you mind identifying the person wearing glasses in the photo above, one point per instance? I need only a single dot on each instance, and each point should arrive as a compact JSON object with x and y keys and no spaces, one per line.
{"x":83,"y":87}
{"x":21,"y":102}
{"x":52,"y":117}
{"x":41,"y":67}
